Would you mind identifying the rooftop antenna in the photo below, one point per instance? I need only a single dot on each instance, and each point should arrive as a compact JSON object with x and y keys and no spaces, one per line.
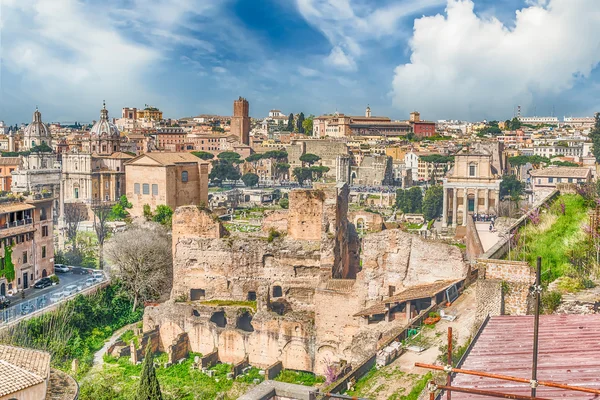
{"x":518,"y":111}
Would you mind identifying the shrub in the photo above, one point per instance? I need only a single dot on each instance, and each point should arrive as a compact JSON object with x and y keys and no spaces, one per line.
{"x":284,"y":203}
{"x":550,"y":301}
{"x":273,"y":234}
{"x":54,"y":279}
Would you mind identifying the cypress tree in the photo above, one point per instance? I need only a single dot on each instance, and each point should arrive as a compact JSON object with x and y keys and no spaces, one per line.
{"x":299,"y":123}
{"x":290,"y":125}
{"x":595,"y":136}
{"x":149,"y":388}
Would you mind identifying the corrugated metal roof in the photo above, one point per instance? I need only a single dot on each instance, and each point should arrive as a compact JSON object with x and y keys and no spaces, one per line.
{"x":569,"y":353}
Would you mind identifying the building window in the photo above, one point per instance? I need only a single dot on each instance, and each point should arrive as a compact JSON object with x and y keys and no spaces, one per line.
{"x":184,"y":176}
{"x":559,"y":180}
{"x":550,"y":180}
{"x":24,"y":257}
{"x":570,"y":180}
{"x":154,"y":189}
{"x":106,"y":184}
{"x":44,"y":231}
{"x":145,"y":188}
{"x":43,"y":251}
{"x":76,"y":193}
{"x":471,"y":170}
{"x":136,"y":188}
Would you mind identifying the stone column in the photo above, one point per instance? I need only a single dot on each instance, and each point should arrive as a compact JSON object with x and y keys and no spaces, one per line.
{"x":445,"y":209}
{"x":408,"y":307}
{"x":454,"y":206}
{"x":476,"y":201}
{"x":465,"y":206}
{"x":487,"y":201}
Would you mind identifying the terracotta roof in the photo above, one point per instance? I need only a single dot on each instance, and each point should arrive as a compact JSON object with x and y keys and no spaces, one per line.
{"x":410,"y":293}
{"x":568,"y":353}
{"x":562,"y":172}
{"x":12,"y":207}
{"x":22,"y":368}
{"x":10,"y":160}
{"x":340,"y":285}
{"x":171,"y":158}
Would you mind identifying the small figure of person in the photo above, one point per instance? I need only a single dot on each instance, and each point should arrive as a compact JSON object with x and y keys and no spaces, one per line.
{"x":491,"y":227}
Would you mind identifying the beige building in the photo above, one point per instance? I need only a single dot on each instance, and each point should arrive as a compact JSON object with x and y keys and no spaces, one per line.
{"x":172,"y":179}
{"x":544,"y":181}
{"x":97,"y":173}
{"x":471,"y":186}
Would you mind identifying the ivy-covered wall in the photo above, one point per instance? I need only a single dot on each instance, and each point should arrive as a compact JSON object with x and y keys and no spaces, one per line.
{"x":6,"y":264}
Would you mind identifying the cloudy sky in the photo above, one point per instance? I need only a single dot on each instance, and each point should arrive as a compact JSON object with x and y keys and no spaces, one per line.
{"x":449,"y":59}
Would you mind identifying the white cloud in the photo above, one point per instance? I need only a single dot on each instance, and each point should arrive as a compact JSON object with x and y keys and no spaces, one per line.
{"x":219,"y":70}
{"x":341,"y":60}
{"x":307,"y":72}
{"x":349,"y":24}
{"x":462,"y":65}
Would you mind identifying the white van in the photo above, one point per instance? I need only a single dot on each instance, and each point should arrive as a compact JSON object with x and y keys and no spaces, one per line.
{"x":71,"y":289}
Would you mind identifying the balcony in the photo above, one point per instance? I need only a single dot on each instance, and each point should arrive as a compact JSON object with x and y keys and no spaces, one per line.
{"x":16,"y":227}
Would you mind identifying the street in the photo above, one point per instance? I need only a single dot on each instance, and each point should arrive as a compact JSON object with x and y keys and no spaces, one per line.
{"x":65,"y":280}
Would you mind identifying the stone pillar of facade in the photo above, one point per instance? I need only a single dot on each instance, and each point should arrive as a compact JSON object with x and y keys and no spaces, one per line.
{"x":476,"y":201}
{"x":445,"y":209}
{"x":487,"y":201}
{"x":465,"y":205}
{"x":454,"y":206}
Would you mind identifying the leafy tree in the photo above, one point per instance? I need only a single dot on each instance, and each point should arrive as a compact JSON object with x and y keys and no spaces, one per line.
{"x":318,"y":171}
{"x":307,"y":125}
{"x":147,"y":212}
{"x":42,"y":148}
{"x":204,"y":155}
{"x":230,"y":156}
{"x":300,"y":122}
{"x":515,"y":124}
{"x":119,"y":210}
{"x":290,"y":124}
{"x":536,"y":160}
{"x":511,"y":186}
{"x":253,"y":158}
{"x":416,"y":199}
{"x":302,"y":174}
{"x":284,"y":203}
{"x":141,"y":258}
{"x":281,"y":169}
{"x":223,"y":170}
{"x":278,"y":155}
{"x":507,"y":124}
{"x":309,"y":158}
{"x":163,"y":215}
{"x":595,"y":136}
{"x":250,"y":179}
{"x":74,"y":214}
{"x":433,"y":202}
{"x":102,"y":213}
{"x":149,"y":388}
{"x":565,"y":164}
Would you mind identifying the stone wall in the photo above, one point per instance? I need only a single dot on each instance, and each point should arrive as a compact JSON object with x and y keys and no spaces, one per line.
{"x":275,"y":219}
{"x":179,"y":349}
{"x":210,"y":359}
{"x":365,"y":221}
{"x":191,"y":221}
{"x":273,"y":371}
{"x":474,"y":246}
{"x":305,"y":214}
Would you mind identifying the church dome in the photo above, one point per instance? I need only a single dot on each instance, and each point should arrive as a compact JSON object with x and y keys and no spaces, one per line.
{"x":104,"y":128}
{"x":37,"y":129}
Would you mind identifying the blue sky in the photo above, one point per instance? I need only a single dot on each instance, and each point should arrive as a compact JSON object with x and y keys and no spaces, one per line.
{"x":449,"y":59}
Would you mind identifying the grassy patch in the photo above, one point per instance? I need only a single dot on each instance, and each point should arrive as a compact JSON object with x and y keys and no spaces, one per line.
{"x":179,"y":381}
{"x":129,"y":337}
{"x":230,"y":303}
{"x":299,"y":377}
{"x":554,"y":236}
{"x":415,"y":391}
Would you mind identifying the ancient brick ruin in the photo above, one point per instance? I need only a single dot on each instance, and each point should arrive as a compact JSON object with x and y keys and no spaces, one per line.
{"x":308,"y":281}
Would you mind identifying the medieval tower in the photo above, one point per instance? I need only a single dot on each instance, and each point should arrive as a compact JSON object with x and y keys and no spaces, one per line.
{"x":240,"y":122}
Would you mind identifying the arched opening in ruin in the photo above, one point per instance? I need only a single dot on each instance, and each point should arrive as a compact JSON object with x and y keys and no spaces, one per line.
{"x":251,"y":296}
{"x":268,"y":260}
{"x":244,"y":322}
{"x":196,"y":313}
{"x":278,"y":308}
{"x":219,"y":319}
{"x":197,"y":294}
{"x":277,"y":291}
{"x":360,"y":225}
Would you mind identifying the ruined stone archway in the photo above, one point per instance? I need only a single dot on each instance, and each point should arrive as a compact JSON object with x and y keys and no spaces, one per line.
{"x":294,"y":355}
{"x":325,"y":355}
{"x":168,"y":332}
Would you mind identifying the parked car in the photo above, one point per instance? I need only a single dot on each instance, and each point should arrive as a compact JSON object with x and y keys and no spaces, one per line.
{"x":61,"y":268}
{"x":42,"y":283}
{"x":90,"y":282}
{"x":98,"y":276}
{"x":55,"y":297}
{"x":71,"y":289}
{"x":4,"y":302}
{"x":80,"y":271}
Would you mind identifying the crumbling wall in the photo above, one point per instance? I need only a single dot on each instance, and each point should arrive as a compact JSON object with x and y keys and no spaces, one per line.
{"x":179,"y":349}
{"x":305,"y":214}
{"x":365,"y":221}
{"x":191,"y":221}
{"x":474,"y":246}
{"x":400,"y":259}
{"x":514,"y":279}
{"x":275,"y":219}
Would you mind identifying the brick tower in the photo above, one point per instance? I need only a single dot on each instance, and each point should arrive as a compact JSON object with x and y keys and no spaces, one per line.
{"x":240,"y":122}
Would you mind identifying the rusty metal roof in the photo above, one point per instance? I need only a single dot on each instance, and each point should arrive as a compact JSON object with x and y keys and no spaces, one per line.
{"x":411,"y":293}
{"x":569,"y":353}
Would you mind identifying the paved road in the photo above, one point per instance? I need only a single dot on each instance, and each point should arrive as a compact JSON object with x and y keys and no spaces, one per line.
{"x":65,"y":280}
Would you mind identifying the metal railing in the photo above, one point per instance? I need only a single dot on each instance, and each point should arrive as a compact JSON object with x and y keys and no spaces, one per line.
{"x":34,"y":305}
{"x":14,"y":224}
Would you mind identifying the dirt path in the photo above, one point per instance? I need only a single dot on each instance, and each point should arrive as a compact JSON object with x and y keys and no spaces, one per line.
{"x":99,"y":356}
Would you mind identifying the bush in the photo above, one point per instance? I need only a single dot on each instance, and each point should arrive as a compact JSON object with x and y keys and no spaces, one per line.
{"x":284,"y":203}
{"x":550,"y":301}
{"x":54,"y":279}
{"x":273,"y":234}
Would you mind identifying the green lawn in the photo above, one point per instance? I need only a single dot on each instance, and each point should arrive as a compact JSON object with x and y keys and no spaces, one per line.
{"x":179,"y":381}
{"x":554,"y":237}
